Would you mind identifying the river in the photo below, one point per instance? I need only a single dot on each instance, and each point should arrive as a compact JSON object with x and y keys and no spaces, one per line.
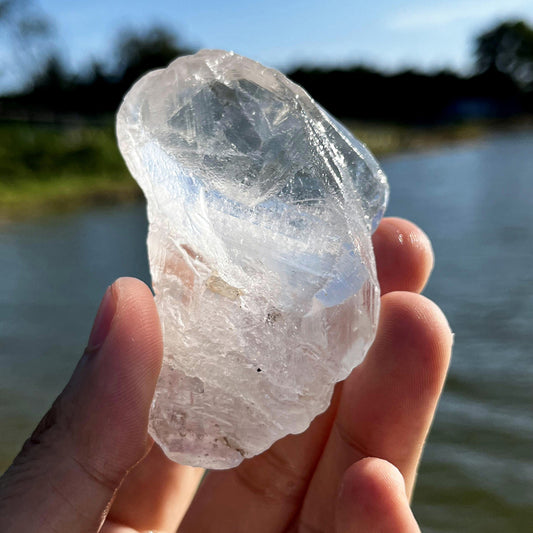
{"x":475,"y":201}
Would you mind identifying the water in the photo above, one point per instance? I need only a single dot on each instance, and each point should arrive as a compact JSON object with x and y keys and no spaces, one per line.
{"x":475,"y":203}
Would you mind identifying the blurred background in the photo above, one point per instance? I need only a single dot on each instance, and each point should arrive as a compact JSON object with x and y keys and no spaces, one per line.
{"x":442,"y":92}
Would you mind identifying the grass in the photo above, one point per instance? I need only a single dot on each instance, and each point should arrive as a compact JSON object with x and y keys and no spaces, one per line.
{"x":45,"y":168}
{"x":49,"y":168}
{"x":31,"y":197}
{"x":383,"y":139}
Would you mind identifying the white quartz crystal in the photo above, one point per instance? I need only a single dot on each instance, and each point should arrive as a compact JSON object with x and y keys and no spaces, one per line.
{"x":261,"y":208}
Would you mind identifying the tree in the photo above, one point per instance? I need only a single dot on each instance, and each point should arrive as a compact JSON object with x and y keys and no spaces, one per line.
{"x":99,"y":89}
{"x":141,"y":51}
{"x":53,"y":76}
{"x":508,"y":49}
{"x":26,"y":37}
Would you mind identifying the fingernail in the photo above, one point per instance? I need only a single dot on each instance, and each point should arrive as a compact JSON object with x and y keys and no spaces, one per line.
{"x":102,"y":322}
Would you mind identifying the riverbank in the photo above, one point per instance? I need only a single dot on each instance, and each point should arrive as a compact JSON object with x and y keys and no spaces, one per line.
{"x":47,"y":168}
{"x":33,"y":198}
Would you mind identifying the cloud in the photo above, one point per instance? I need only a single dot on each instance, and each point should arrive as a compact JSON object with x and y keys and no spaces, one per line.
{"x":423,"y":17}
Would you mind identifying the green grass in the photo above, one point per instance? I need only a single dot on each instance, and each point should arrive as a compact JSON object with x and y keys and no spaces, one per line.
{"x":48,"y":168}
{"x":385,"y":139}
{"x":31,"y":197}
{"x":46,"y":152}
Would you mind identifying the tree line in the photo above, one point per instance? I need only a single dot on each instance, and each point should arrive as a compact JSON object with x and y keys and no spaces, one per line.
{"x":501,"y":85}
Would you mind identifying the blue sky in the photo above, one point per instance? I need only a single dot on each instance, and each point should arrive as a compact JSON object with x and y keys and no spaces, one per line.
{"x":282,"y":33}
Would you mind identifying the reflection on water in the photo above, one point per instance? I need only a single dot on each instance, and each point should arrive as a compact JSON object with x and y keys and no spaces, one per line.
{"x":473,"y":201}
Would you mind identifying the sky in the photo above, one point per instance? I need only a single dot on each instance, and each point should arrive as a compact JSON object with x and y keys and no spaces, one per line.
{"x":387,"y":34}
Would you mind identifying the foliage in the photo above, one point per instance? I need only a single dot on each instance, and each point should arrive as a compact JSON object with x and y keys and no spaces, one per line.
{"x":100,"y":89}
{"x":499,"y":88}
{"x":410,"y":97}
{"x":27,"y":33}
{"x":46,"y":162}
{"x":507,"y":48}
{"x":45,"y":168}
{"x":30,"y":152}
{"x":141,"y":51}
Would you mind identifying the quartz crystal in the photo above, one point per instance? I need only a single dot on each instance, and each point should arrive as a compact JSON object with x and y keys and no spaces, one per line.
{"x":261,"y":208}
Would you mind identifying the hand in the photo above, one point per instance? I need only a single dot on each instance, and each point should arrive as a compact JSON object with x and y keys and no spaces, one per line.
{"x":90,"y":465}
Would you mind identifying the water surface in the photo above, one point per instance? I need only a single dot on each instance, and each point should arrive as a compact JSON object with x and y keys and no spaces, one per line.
{"x":476,"y":204}
{"x":474,"y":201}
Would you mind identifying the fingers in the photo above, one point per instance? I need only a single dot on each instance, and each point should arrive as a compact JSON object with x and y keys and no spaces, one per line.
{"x":68,"y":471}
{"x":372,"y":498}
{"x":404,"y":257}
{"x":268,"y":490}
{"x":265,"y":492}
{"x":155,"y":494}
{"x":388,"y":402}
{"x":388,"y":405}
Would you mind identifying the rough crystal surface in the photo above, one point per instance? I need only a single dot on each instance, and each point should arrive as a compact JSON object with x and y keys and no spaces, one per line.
{"x":261,"y":208}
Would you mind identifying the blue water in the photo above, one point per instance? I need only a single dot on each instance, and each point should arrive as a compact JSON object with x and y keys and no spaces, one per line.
{"x":475,"y":202}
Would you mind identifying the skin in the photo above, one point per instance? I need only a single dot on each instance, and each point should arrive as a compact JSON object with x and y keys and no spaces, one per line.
{"x":90,"y":465}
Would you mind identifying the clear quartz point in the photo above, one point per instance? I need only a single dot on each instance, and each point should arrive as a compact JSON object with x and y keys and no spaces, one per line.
{"x":261,"y":208}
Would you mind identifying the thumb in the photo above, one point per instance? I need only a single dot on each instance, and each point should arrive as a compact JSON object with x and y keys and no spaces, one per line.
{"x":68,"y":471}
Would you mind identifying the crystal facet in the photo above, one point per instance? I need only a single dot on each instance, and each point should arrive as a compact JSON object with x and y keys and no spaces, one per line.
{"x":261,"y":208}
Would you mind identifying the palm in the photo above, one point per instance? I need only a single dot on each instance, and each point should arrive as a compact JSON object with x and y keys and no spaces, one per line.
{"x":383,"y":410}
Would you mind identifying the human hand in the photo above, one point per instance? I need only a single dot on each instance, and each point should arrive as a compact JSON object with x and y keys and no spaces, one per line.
{"x":90,"y":465}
